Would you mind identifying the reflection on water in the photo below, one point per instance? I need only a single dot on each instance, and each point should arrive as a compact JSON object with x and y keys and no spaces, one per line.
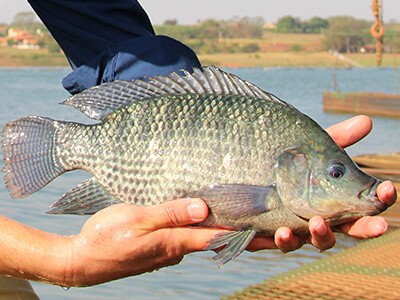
{"x":36,"y":91}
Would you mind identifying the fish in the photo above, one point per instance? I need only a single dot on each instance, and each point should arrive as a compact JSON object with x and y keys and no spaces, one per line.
{"x":257,"y":161}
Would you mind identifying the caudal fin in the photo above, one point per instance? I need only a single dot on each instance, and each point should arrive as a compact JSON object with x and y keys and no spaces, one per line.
{"x":28,"y":154}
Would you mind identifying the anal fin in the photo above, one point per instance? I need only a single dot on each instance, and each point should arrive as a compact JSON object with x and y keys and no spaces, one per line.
{"x":85,"y":199}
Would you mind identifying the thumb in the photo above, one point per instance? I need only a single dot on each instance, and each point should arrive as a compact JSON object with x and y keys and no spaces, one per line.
{"x":350,"y":131}
{"x":177,"y":213}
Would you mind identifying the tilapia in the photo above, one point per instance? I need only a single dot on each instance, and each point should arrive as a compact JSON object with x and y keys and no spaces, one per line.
{"x":256,"y":161}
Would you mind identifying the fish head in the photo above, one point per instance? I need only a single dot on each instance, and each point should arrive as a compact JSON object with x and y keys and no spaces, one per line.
{"x":326,"y":183}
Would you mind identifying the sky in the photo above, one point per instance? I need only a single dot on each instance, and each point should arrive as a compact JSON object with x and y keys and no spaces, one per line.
{"x":191,"y":11}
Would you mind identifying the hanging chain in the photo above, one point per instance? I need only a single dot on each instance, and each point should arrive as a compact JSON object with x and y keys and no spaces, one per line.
{"x":377,"y":29}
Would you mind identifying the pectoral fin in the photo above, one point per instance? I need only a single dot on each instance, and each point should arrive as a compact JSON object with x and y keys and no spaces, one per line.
{"x":85,"y":199}
{"x":235,"y":241}
{"x":238,"y":200}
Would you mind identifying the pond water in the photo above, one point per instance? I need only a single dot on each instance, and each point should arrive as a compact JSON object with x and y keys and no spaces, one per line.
{"x":36,"y":91}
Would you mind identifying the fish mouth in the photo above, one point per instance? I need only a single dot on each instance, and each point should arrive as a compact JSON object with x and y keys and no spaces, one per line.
{"x":372,"y":206}
{"x":370,"y":195}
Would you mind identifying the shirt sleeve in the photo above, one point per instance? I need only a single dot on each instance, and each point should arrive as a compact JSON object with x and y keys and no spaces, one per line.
{"x":108,"y":40}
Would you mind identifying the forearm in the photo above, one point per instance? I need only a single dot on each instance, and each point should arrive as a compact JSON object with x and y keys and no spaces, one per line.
{"x":29,"y":253}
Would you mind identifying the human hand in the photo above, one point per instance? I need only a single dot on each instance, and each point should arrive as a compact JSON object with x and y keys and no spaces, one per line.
{"x":321,"y":236}
{"x":125,"y":240}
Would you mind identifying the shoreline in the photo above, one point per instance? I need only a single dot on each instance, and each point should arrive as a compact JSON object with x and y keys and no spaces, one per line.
{"x":298,"y":60}
{"x":17,"y":58}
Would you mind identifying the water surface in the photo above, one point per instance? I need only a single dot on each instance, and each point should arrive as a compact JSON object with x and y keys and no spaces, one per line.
{"x":36,"y":91}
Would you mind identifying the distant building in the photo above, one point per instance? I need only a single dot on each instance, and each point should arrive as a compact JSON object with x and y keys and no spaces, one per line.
{"x":20,"y":39}
{"x":3,"y":42}
{"x":270,"y":26}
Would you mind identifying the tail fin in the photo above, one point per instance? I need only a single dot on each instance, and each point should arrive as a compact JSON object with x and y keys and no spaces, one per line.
{"x":28,"y":154}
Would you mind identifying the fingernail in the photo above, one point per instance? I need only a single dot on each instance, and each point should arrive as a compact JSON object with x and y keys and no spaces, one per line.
{"x":286,"y":236}
{"x":319,"y":227}
{"x":377,"y":228}
{"x":322,"y":230}
{"x":197,"y":210}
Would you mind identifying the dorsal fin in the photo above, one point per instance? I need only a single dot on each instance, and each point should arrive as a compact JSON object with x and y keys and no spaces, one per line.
{"x":100,"y":101}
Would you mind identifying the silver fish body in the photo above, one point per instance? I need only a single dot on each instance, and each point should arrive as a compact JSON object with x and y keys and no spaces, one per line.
{"x":257,"y":162}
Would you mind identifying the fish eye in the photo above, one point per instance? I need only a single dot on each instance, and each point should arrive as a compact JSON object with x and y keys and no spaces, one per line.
{"x":336,"y":170}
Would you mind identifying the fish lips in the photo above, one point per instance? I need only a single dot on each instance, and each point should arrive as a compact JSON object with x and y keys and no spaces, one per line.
{"x":370,"y":195}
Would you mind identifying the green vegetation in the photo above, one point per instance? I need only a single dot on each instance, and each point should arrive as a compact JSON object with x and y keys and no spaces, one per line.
{"x":341,"y":34}
{"x":234,"y":42}
{"x":289,"y":24}
{"x":214,"y":29}
{"x":213,"y":36}
{"x":346,"y":34}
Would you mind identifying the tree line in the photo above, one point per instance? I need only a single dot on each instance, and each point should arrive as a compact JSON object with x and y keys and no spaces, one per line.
{"x":342,"y":34}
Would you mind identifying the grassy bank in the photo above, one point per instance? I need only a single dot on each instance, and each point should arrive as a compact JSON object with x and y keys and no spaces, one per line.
{"x":275,"y":49}
{"x":295,"y":59}
{"x":271,"y":59}
{"x":10,"y":57}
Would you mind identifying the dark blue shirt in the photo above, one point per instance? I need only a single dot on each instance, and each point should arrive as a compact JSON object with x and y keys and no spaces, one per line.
{"x":105,"y":40}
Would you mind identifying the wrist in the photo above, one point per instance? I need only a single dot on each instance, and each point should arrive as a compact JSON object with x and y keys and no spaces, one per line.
{"x":68,"y":268}
{"x":52,"y":262}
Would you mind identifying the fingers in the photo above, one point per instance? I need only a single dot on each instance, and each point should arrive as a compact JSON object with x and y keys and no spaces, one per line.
{"x":185,"y":239}
{"x":350,"y":131}
{"x":285,"y":240}
{"x":322,"y":236}
{"x":369,"y":227}
{"x":261,"y":243}
{"x":387,"y":193}
{"x":177,"y":213}
{"x":366,"y":227}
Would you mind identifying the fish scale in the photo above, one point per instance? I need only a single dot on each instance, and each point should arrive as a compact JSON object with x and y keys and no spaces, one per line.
{"x":256,"y":161}
{"x":122,"y":136}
